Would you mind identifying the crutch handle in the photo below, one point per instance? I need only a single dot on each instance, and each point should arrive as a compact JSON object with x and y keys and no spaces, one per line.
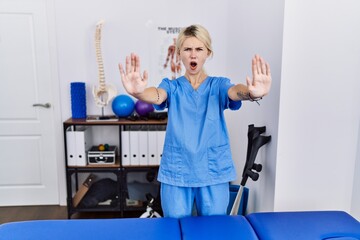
{"x":253,"y":175}
{"x":257,"y":167}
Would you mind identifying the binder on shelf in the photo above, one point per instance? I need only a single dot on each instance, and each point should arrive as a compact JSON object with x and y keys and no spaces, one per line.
{"x":160,"y":144}
{"x":134,"y":148}
{"x":83,"y":143}
{"x":152,"y":147}
{"x":125,"y":147}
{"x":143,"y":147}
{"x":78,"y":141}
{"x":70,"y":147}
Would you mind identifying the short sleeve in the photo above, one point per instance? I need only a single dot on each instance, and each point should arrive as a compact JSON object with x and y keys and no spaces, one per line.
{"x":227,"y":102}
{"x":234,"y":105}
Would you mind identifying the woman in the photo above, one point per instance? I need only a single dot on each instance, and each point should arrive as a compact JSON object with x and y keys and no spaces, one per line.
{"x":196,"y":165}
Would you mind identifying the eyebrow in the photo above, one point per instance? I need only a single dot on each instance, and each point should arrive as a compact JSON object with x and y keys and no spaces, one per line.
{"x":192,"y":47}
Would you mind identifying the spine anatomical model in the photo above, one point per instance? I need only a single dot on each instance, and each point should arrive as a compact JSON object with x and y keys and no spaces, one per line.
{"x":104,"y":93}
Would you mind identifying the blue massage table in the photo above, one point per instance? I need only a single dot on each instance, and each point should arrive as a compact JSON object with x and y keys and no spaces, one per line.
{"x":315,"y":225}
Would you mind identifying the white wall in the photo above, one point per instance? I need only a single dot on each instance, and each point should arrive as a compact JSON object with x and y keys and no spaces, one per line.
{"x":127,"y":29}
{"x":355,"y":209}
{"x":319,"y":106}
{"x":255,"y":27}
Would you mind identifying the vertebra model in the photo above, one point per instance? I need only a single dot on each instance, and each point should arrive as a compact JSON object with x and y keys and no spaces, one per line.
{"x":104,"y":93}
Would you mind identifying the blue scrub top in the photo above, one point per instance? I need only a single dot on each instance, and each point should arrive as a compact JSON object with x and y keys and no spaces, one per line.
{"x":196,"y":151}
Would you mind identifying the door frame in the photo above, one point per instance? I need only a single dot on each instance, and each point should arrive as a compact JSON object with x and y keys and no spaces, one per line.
{"x":56,"y":89}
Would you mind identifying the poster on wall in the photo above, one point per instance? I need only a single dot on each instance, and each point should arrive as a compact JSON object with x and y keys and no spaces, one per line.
{"x":165,"y":63}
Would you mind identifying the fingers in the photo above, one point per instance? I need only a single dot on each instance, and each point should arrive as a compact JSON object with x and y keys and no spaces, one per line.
{"x":248,"y":81}
{"x":145,"y":76}
{"x":127,"y":65}
{"x":132,"y":63}
{"x":268,"y":72}
{"x":263,"y":65}
{"x":132,"y":57}
{"x":137,"y":63}
{"x":260,"y":66}
{"x":122,"y":74}
{"x":121,"y":70}
{"x":254,"y":66}
{"x":132,"y":70}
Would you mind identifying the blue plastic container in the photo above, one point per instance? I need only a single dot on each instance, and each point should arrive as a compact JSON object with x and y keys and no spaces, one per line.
{"x":244,"y":200}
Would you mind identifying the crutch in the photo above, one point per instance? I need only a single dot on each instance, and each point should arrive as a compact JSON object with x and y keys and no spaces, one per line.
{"x":255,"y":142}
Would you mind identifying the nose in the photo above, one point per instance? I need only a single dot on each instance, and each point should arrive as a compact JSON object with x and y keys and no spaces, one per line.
{"x":193,"y":54}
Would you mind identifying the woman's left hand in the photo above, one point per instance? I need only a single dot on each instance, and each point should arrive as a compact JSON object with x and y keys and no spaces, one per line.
{"x":260,"y":83}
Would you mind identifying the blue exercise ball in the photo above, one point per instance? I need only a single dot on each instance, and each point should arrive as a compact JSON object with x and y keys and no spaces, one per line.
{"x":123,"y":105}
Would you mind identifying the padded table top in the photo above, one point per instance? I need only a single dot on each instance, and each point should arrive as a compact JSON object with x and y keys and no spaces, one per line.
{"x":321,"y":225}
{"x":104,"y":229}
{"x":216,"y":227}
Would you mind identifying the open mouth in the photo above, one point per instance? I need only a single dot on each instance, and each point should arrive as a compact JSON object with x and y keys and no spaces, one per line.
{"x":193,"y":65}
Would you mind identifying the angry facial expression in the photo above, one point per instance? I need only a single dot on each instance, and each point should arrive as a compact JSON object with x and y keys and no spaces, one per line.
{"x":193,"y":55}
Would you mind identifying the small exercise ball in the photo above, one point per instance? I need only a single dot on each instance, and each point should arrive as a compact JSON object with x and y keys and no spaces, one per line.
{"x":123,"y":105}
{"x":143,"y":108}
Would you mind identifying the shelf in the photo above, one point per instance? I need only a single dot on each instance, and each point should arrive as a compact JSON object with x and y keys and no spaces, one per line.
{"x":94,"y":166}
{"x":139,"y":168}
{"x":120,"y":121}
{"x":74,"y":173}
{"x":101,"y":208}
{"x":142,"y":208}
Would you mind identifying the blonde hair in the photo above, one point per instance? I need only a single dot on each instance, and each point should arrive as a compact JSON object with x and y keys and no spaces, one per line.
{"x":197,"y":31}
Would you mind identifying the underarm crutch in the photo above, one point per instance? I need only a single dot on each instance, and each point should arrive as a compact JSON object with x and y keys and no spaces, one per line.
{"x":255,"y":142}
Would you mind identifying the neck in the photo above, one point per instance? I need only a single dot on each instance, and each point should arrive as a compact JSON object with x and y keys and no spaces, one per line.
{"x":196,"y":78}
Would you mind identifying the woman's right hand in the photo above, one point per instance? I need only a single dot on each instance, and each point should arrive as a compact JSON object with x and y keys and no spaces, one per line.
{"x":132,"y":81}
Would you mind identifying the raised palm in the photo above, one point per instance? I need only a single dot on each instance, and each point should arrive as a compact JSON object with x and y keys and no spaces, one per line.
{"x":131,"y":78}
{"x":260,"y":83}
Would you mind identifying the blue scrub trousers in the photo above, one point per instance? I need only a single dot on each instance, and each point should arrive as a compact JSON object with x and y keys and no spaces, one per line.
{"x":178,"y":202}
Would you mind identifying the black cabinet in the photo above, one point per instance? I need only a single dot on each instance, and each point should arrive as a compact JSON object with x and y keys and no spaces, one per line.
{"x":119,"y":174}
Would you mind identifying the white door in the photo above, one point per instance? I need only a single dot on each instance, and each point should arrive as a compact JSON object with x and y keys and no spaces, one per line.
{"x":28,"y":168}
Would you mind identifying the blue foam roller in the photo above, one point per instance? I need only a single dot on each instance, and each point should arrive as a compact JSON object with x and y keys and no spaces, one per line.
{"x":78,"y":100}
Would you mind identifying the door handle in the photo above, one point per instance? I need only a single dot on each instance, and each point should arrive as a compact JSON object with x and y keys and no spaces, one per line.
{"x":46,"y":105}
